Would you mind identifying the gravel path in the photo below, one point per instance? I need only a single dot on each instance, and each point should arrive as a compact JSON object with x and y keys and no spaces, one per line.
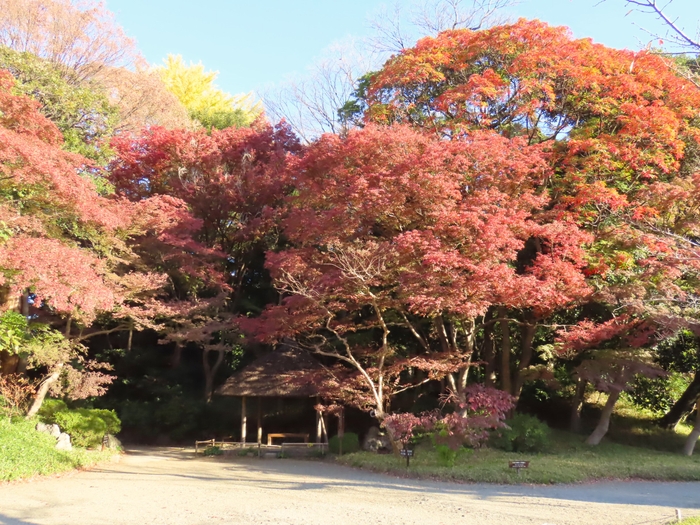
{"x":166,"y":486}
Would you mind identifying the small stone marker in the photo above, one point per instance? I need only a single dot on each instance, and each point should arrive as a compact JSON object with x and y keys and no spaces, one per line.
{"x":406,"y":453}
{"x":517,"y":465}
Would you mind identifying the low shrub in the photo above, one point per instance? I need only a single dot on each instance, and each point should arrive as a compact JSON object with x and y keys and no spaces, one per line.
{"x":213,"y":451}
{"x":447,"y":457}
{"x":15,"y":395}
{"x":87,"y":426}
{"x":351,"y":443}
{"x":47,"y":412}
{"x":523,"y":434}
{"x":658,"y":394}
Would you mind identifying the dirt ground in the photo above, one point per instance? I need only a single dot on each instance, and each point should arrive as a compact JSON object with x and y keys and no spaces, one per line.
{"x":168,"y":486}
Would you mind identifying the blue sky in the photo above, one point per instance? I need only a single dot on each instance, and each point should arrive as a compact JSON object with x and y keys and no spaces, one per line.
{"x":254,"y":44}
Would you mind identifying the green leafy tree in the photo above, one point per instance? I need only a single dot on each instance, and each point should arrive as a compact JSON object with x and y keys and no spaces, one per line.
{"x":82,"y":114}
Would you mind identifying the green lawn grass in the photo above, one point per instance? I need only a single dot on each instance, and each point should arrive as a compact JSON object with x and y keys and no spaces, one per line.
{"x":690,"y":521}
{"x":631,"y":425}
{"x":24,"y":452}
{"x":568,"y":460}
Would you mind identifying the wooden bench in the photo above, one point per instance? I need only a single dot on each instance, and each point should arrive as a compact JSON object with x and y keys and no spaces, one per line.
{"x":285,"y":435}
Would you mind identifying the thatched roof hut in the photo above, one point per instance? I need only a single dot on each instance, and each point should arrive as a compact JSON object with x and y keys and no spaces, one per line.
{"x":273,"y":375}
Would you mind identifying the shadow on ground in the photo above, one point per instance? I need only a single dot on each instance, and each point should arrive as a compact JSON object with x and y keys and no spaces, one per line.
{"x":6,"y":520}
{"x":315,"y":475}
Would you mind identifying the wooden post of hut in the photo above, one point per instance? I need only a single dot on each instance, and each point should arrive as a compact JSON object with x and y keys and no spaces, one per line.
{"x":324,"y":429}
{"x":244,"y":421}
{"x":259,"y":427}
{"x":319,"y":420}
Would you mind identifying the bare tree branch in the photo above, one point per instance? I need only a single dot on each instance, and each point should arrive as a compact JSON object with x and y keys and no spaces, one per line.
{"x":674,"y":32}
{"x":391,"y":33}
{"x":310,"y":103}
{"x":434,"y":17}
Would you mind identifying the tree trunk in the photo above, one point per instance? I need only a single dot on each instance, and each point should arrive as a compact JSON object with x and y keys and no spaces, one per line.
{"x":210,"y":372}
{"x":341,"y":430}
{"x":505,"y":351}
{"x":44,"y":389}
{"x":177,"y":356}
{"x":396,"y":445}
{"x":604,"y":423}
{"x":441,"y":331}
{"x":469,"y":327}
{"x":694,"y":434}
{"x":526,"y":340}
{"x":577,"y":405}
{"x":24,"y":303}
{"x":489,"y":355}
{"x":683,"y":406}
{"x":22,"y":365}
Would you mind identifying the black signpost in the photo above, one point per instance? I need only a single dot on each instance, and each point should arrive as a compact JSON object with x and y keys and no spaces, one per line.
{"x":517,"y":465}
{"x":406,"y":453}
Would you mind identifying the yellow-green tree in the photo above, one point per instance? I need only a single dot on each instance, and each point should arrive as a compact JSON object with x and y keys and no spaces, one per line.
{"x":195,"y":89}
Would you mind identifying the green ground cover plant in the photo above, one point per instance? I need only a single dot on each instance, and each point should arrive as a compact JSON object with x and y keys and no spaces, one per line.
{"x":25,"y":453}
{"x":568,"y":460}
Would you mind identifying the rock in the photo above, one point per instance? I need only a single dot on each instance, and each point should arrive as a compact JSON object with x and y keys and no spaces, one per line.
{"x":376,"y":440}
{"x":52,"y":430}
{"x":63,"y":442}
{"x":371,"y":436}
{"x":62,"y":439}
{"x":110,"y":442}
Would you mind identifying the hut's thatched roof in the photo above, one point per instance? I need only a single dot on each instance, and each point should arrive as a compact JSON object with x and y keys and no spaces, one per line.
{"x":273,"y":375}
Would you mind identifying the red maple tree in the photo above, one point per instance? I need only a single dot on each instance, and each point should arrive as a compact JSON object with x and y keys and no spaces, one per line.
{"x":619,"y":135}
{"x":71,"y":252}
{"x":396,"y":234}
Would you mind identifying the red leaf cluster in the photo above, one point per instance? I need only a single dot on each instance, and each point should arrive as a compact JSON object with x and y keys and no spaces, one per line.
{"x":476,"y":412}
{"x":411,"y":222}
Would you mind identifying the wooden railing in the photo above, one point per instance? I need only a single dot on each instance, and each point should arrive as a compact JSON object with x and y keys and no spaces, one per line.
{"x":201,"y":446}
